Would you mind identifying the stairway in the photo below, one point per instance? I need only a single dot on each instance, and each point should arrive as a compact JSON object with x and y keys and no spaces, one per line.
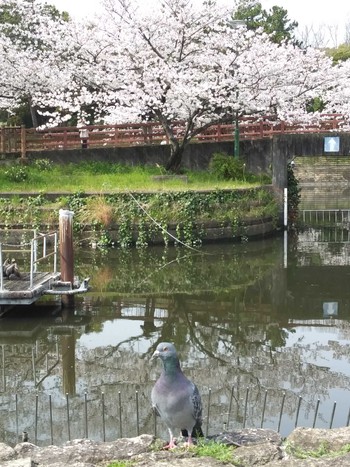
{"x":324,"y":182}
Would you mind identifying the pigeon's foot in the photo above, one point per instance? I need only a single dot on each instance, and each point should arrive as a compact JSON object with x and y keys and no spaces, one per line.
{"x":189,"y":442}
{"x":171,"y":445}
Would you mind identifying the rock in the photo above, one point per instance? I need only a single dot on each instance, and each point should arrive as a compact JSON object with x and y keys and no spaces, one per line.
{"x":254,"y":447}
{"x":86,"y":453}
{"x":247,"y":436}
{"x":176,"y":459}
{"x":20,"y":463}
{"x":258,"y":454}
{"x":313,"y":439}
{"x":6,"y":452}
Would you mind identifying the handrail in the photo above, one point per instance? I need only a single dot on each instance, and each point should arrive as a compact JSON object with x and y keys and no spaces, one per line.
{"x":152,"y":133}
{"x":34,"y":259}
{"x":37,"y":255}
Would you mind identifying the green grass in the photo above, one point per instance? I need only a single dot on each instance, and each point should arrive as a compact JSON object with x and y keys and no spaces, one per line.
{"x":218,"y":451}
{"x":211,"y":449}
{"x":125,"y":196}
{"x":324,"y":450}
{"x":106,"y":177}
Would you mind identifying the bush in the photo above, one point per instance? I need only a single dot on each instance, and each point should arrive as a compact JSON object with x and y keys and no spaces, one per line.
{"x":42,"y":164}
{"x":226,"y":167}
{"x":293,"y":196}
{"x":17,"y":174}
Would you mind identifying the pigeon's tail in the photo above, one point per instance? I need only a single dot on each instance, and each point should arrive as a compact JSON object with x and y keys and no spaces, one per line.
{"x":197,"y":432}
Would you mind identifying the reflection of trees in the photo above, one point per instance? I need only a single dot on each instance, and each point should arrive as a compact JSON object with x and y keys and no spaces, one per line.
{"x":228,"y":314}
{"x":174,"y":270}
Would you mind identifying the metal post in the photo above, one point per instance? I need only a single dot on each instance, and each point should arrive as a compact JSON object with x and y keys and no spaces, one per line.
{"x":36,"y":418}
{"x":281,"y":412}
{"x":332,"y":417}
{"x":285,"y":208}
{"x":2,"y":140}
{"x":285,"y":249}
{"x":32,"y":262}
{"x":16,"y":408}
{"x":86,"y":416}
{"x":137,"y":414}
{"x":23,"y":142}
{"x":103,"y":417}
{"x":208,"y":414}
{"x":55,"y":253}
{"x":263,"y":411}
{"x":245,"y":407}
{"x":120,"y":415}
{"x":236,"y":147}
{"x":51,"y":419}
{"x":316,"y":412}
{"x":230,"y":407}
{"x":68,"y":416}
{"x":66,"y":252}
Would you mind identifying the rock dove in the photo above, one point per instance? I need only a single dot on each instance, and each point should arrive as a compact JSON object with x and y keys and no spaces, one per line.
{"x":175,"y":398}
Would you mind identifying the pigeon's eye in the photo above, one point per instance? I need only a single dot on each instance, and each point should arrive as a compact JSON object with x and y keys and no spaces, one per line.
{"x":165,"y":349}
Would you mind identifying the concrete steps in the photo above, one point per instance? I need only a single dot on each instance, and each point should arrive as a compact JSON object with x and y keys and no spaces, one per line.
{"x":322,"y":170}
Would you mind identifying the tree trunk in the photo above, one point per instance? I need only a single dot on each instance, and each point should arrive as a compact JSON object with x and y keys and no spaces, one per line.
{"x":33,"y":114}
{"x":174,"y":162}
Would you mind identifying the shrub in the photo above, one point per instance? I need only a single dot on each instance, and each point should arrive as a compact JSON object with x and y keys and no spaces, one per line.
{"x":42,"y":164}
{"x":17,"y":174}
{"x":293,"y":196}
{"x":226,"y":167}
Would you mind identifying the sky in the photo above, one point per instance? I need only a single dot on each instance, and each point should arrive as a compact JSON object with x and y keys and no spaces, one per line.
{"x":319,"y":14}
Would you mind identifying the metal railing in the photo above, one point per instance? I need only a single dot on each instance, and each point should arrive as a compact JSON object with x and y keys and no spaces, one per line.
{"x":38,"y":252}
{"x":21,"y":139}
{"x":326,"y":216}
{"x":36,"y":258}
{"x":105,"y":417}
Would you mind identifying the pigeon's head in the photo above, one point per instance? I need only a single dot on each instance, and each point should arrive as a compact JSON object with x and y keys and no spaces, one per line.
{"x":165,"y":351}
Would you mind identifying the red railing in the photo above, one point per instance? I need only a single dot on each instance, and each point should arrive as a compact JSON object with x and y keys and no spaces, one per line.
{"x":19,"y":139}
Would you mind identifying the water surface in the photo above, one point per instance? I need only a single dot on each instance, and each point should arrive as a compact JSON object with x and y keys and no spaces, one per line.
{"x":262,"y":329}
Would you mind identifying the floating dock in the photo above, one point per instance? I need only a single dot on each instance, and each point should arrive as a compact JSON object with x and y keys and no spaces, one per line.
{"x":41,"y":276}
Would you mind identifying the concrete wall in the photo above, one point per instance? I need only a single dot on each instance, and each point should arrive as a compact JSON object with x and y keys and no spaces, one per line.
{"x":286,"y":147}
{"x":196,"y":156}
{"x":262,"y":156}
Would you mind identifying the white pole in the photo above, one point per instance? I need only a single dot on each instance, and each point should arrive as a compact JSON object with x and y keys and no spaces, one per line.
{"x":285,"y":207}
{"x":285,"y":249}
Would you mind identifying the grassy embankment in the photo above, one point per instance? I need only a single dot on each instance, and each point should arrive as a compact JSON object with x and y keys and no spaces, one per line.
{"x":105,"y":194}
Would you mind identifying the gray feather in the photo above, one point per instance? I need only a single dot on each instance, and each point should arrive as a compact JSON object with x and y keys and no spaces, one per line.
{"x":174,"y":397}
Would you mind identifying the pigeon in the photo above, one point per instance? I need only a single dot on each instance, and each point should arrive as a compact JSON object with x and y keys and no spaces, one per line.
{"x":175,"y":398}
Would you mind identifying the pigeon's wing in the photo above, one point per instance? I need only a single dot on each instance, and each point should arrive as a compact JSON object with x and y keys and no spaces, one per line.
{"x":197,"y":405}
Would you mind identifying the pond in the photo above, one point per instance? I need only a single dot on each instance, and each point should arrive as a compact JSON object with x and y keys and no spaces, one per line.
{"x":262,"y":327}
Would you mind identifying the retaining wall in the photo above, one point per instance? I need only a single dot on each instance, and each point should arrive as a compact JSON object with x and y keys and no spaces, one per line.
{"x":261,"y":155}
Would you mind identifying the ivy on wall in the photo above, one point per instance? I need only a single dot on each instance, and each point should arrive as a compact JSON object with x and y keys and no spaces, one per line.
{"x":140,"y":217}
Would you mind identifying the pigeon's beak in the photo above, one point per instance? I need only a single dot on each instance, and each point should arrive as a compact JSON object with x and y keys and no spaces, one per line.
{"x":155,"y":355}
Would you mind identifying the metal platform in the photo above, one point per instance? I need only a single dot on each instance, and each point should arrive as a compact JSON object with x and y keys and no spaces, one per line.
{"x":32,"y":284}
{"x":20,"y":292}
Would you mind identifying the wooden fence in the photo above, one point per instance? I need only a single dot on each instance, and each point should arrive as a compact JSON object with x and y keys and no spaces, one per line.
{"x":22,"y":140}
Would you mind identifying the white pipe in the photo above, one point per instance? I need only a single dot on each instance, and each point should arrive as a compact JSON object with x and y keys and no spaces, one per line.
{"x":285,"y":207}
{"x":285,"y":250}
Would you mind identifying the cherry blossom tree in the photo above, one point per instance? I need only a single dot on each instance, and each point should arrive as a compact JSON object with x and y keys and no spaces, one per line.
{"x":176,"y":63}
{"x":180,"y":63}
{"x":29,"y":32}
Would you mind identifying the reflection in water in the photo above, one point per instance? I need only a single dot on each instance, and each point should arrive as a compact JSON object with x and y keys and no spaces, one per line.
{"x":250,"y":333}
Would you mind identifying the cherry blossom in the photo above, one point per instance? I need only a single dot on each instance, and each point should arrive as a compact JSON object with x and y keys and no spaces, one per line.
{"x":176,"y":62}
